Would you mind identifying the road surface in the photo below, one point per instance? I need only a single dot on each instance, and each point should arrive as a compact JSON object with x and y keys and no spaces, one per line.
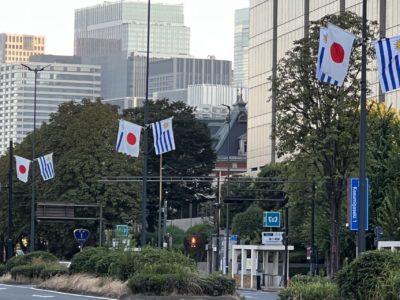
{"x":258,"y":295}
{"x":24,"y":292}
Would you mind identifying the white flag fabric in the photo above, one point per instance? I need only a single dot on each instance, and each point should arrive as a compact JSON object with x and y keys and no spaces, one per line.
{"x":128,"y":138}
{"x":46,"y":166}
{"x":323,"y":41}
{"x":387,"y":55}
{"x":22,"y":168}
{"x":335,"y":61}
{"x":163,"y":136}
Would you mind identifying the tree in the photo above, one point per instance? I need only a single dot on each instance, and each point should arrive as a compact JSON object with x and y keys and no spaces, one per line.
{"x":82,"y":137}
{"x":194,"y":156}
{"x":316,"y":120}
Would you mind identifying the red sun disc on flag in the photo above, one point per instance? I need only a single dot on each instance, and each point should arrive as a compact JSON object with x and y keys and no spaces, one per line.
{"x":22,"y":169}
{"x":131,"y":139}
{"x":337,"y":53}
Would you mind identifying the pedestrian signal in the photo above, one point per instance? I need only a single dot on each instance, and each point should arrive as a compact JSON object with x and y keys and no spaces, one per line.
{"x":193,"y":241}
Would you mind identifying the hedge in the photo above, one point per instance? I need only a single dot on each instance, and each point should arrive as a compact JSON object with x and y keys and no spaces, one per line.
{"x":39,"y":256}
{"x":310,"y":288}
{"x":41,"y":271}
{"x":360,"y":279}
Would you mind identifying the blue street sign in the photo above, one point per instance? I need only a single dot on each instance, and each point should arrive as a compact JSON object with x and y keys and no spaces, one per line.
{"x":81,"y":235}
{"x":353,"y":196}
{"x":272,"y":219}
{"x":234,"y":237}
{"x":121,"y":230}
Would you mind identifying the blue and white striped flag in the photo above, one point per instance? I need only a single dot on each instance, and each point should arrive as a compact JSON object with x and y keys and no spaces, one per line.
{"x":163,"y":136}
{"x":46,"y":166}
{"x":387,"y":55}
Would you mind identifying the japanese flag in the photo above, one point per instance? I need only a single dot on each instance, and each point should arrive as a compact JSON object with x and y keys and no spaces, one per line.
{"x":128,"y":138}
{"x":335,"y":61}
{"x":22,"y":168}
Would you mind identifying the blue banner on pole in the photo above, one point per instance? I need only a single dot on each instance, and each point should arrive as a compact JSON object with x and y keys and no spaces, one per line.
{"x":354,"y":196}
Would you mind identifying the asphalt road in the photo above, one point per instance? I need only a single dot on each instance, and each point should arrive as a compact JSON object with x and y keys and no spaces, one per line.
{"x":24,"y":292}
{"x":258,"y":295}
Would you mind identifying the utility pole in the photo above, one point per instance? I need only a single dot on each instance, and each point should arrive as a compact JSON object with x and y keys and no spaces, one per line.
{"x":10,"y":251}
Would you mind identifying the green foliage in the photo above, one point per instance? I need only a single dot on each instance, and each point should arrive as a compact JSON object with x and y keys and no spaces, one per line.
{"x":315,"y":121}
{"x":194,"y":156}
{"x":42,"y":271}
{"x":248,"y":225}
{"x":217,"y":284}
{"x":319,"y":289}
{"x":388,"y":213}
{"x":388,"y":286}
{"x":178,"y":237}
{"x":202,"y":232}
{"x":90,"y":260}
{"x":29,"y":258}
{"x":360,"y":278}
{"x":3,"y":269}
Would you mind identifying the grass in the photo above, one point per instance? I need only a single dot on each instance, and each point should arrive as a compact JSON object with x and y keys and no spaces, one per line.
{"x":87,"y":284}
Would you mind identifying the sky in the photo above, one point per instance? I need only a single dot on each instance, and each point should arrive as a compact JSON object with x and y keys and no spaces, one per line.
{"x":211,"y":23}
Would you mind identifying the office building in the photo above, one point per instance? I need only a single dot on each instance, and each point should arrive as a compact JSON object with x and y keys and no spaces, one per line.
{"x":120,"y":28}
{"x":16,"y":48}
{"x":176,"y":74}
{"x":241,"y":48}
{"x":58,"y":83}
{"x":274,"y":26}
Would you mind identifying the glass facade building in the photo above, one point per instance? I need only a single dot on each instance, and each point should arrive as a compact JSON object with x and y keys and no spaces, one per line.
{"x":57,"y":84}
{"x":241,"y":48}
{"x":274,"y":26}
{"x":121,"y":28}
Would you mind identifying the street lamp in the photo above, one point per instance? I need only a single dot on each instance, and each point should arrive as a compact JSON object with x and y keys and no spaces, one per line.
{"x":227,"y":191}
{"x":32,"y":234}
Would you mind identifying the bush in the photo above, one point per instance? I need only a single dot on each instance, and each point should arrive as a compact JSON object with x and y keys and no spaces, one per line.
{"x":306,"y":288}
{"x":361,"y":277}
{"x":3,"y":269}
{"x":85,"y":261}
{"x":28,"y":259}
{"x":42,"y":271}
{"x":217,"y":284}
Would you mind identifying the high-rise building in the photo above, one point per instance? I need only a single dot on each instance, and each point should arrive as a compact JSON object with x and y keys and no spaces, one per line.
{"x":120,"y":28}
{"x":176,"y":74}
{"x":274,"y":26}
{"x":19,"y":47}
{"x":241,"y":48}
{"x":58,"y":83}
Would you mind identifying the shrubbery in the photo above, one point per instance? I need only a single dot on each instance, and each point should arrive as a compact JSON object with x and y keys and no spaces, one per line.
{"x":29,"y":258}
{"x":369,"y":274}
{"x":42,"y":271}
{"x":3,"y":269}
{"x":310,"y":288}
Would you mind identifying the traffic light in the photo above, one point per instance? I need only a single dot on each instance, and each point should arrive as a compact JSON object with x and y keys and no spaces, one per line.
{"x":193,"y":241}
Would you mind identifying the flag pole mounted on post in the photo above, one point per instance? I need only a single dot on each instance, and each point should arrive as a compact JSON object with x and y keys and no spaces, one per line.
{"x":363,"y":134}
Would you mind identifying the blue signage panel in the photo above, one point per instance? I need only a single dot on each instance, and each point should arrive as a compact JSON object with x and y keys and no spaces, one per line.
{"x":272,"y":219}
{"x":81,"y":235}
{"x":121,"y":230}
{"x":354,"y":196}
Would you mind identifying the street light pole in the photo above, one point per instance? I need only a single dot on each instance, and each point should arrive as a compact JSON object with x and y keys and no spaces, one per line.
{"x":32,"y":233}
{"x":227,"y":192}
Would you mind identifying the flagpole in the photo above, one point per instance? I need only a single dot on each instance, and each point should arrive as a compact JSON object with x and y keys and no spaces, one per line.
{"x":159,"y":206}
{"x":145,"y":139}
{"x":363,"y":135}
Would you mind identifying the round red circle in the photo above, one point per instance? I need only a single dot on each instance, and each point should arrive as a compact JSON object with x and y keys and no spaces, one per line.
{"x":22,"y":169}
{"x":131,"y":138}
{"x":337,"y":53}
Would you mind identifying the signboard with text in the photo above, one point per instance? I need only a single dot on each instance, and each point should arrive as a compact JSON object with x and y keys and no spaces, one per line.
{"x":353,"y":203}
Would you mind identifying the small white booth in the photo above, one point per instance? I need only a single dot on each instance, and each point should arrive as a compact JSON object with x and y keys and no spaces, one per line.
{"x":265,"y":261}
{"x":390,"y":245}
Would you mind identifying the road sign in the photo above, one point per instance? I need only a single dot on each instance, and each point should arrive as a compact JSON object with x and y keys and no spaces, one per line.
{"x":81,"y":235}
{"x":234,"y":237}
{"x":353,"y":196}
{"x":121,"y":230}
{"x":272,"y":219}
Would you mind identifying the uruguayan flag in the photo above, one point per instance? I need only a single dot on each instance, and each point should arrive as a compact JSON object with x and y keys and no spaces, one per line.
{"x":46,"y":166}
{"x":387,"y":55}
{"x":163,"y":136}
